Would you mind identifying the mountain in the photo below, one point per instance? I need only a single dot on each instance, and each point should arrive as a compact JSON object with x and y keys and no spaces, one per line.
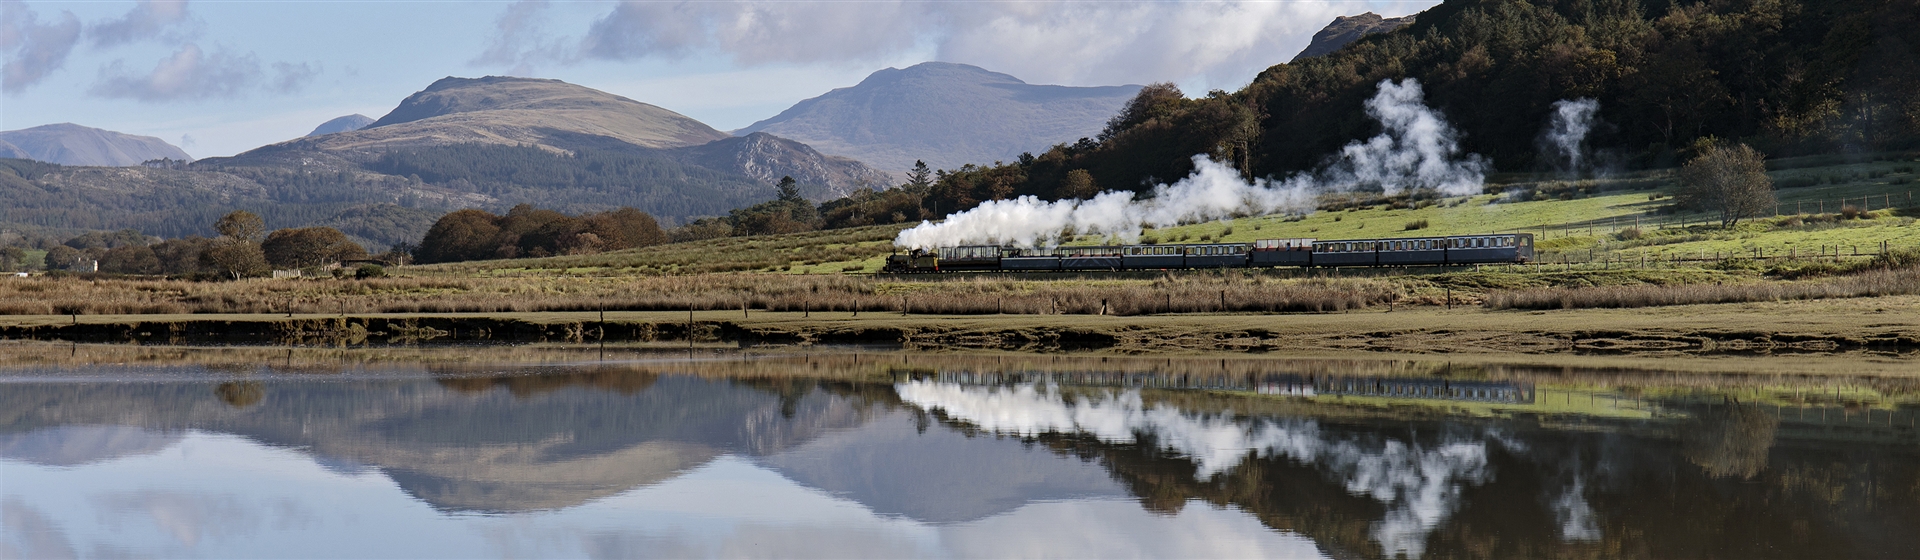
{"x":1346,"y":29}
{"x":72,"y":144}
{"x":945,"y":114}
{"x":767,"y":158}
{"x":518,"y":111}
{"x":342,"y":124}
{"x":8,"y":150}
{"x":487,"y":143}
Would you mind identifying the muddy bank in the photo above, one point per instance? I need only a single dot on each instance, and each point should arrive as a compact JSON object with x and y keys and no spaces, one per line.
{"x":1887,"y":328}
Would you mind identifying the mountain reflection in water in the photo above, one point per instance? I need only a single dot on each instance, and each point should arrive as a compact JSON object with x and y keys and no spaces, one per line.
{"x":646,"y":460}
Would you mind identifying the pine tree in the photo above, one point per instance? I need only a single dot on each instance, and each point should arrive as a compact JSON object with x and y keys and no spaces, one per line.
{"x":921,"y":177}
{"x":789,"y":191}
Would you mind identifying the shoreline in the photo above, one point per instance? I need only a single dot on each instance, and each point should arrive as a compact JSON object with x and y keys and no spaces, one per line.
{"x":1885,"y":328}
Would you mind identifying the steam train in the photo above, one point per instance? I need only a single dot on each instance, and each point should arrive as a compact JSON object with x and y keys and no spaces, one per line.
{"x":1264,"y":253}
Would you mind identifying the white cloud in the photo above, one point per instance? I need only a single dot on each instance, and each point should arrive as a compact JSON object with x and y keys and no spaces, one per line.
{"x":147,"y":20}
{"x":193,"y":74}
{"x":1052,"y":42}
{"x":188,"y":73}
{"x":33,"y":50}
{"x":519,"y":40}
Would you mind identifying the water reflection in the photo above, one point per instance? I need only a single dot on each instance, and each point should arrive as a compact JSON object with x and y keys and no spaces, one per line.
{"x":876,"y":456}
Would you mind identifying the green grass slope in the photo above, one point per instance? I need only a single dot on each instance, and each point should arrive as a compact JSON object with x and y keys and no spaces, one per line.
{"x":1580,"y":221}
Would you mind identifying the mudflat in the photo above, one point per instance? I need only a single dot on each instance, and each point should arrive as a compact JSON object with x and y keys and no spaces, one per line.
{"x":1856,"y":335}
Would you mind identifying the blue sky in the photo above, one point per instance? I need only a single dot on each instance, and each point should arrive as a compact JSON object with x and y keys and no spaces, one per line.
{"x":218,"y":78}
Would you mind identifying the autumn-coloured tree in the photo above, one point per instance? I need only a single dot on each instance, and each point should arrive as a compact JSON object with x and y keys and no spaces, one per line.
{"x":1729,"y":181}
{"x":305,"y":247}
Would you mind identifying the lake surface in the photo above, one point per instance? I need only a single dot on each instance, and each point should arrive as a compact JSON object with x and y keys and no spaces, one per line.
{"x":893,"y":455}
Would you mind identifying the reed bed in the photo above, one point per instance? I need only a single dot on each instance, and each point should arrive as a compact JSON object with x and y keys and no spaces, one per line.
{"x":1884,"y":282}
{"x":767,"y":292}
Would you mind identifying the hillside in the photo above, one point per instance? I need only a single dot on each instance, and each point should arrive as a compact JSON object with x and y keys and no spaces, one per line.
{"x":1790,"y":79}
{"x":482,"y":143}
{"x":72,"y":144}
{"x":517,"y":111}
{"x":945,"y":114}
{"x":1347,"y":29}
{"x":454,"y":114}
{"x":342,"y":124}
{"x":767,"y":158}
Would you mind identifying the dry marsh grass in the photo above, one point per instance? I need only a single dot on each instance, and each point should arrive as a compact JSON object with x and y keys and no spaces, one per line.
{"x":727,"y":254}
{"x":1884,"y":282}
{"x":770,"y":292}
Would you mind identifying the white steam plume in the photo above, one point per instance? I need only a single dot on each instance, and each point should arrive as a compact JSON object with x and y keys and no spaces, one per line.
{"x":1420,"y":484}
{"x":1417,"y":151}
{"x":1567,"y":129}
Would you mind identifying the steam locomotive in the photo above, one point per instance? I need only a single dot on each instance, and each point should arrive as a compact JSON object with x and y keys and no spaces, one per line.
{"x":1264,"y":253}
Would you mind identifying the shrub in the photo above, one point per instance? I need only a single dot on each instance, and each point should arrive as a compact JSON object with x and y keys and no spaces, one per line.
{"x":1851,"y":212}
{"x":1416,"y":224}
{"x":370,"y":270}
{"x":1898,"y":258}
{"x":1629,"y":234}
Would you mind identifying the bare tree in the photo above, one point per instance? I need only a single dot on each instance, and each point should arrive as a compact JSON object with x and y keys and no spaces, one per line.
{"x":1731,"y":181}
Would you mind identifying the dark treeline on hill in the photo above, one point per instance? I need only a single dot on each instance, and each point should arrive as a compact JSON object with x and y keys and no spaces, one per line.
{"x":389,"y":200}
{"x":175,"y":203}
{"x":526,"y":231}
{"x":585,"y":180}
{"x":1786,"y":77}
{"x":238,"y":251}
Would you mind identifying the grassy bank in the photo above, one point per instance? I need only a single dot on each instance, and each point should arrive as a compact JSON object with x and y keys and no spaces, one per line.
{"x":1864,"y":330}
{"x":1124,"y":294}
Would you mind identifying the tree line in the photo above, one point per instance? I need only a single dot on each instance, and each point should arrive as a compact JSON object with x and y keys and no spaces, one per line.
{"x":527,"y":231}
{"x":1785,"y":78}
{"x":243,"y":248}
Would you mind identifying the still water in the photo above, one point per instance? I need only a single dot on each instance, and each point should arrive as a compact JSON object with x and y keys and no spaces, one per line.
{"x":891,"y":455}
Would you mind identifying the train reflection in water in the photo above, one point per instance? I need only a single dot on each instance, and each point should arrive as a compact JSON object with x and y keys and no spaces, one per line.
{"x":1504,"y":392}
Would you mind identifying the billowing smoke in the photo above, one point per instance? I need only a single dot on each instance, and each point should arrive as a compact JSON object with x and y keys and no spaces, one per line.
{"x":1565,"y":138}
{"x":1419,"y":483}
{"x":1416,"y":151}
{"x":1212,"y":192}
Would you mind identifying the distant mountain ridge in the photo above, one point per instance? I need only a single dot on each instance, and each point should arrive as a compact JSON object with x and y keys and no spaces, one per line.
{"x":342,"y":124}
{"x":768,"y":158}
{"x":563,"y":118}
{"x":72,"y":144}
{"x":945,"y":114}
{"x":485,"y":143}
{"x":1347,"y":29}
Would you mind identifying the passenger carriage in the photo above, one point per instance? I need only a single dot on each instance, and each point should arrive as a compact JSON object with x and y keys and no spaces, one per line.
{"x":1218,"y":255}
{"x":1408,"y":251}
{"x":1282,"y":252}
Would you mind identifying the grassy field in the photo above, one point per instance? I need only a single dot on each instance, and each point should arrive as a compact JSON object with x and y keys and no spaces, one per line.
{"x":1623,"y":218}
{"x":1606,"y":243}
